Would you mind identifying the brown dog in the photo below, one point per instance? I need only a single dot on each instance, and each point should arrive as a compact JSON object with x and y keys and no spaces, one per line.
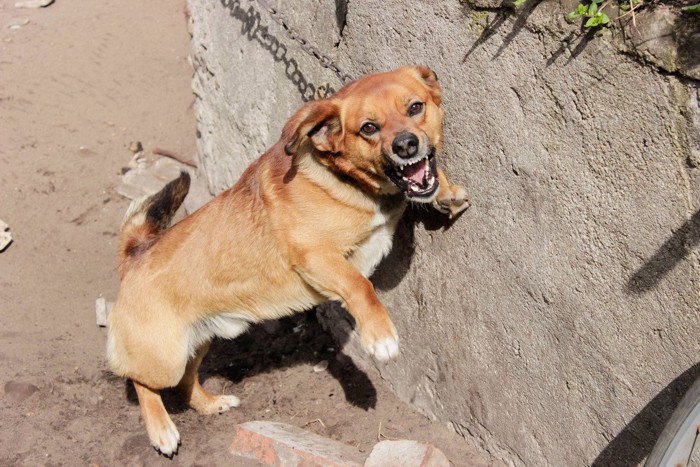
{"x":307,"y":222}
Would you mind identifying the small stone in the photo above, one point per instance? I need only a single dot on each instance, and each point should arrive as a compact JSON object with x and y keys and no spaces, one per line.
{"x":321,"y":366}
{"x":145,"y":178}
{"x":86,"y":151}
{"x":16,"y":23}
{"x":271,"y":443}
{"x":33,"y":3}
{"x":135,"y":147}
{"x":102,"y":310}
{"x":5,"y":237}
{"x":18,"y":391}
{"x":406,"y":453}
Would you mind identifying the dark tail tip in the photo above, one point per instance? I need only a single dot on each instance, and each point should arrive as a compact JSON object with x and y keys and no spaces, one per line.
{"x":166,"y":202}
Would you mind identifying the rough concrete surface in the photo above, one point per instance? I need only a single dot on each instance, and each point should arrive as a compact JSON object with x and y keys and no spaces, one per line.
{"x":556,"y":321}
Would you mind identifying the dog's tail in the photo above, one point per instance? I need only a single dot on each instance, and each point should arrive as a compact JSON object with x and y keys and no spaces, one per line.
{"x":148,"y":216}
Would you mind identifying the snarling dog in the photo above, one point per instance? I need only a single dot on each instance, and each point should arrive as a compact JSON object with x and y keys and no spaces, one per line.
{"x":307,"y":222}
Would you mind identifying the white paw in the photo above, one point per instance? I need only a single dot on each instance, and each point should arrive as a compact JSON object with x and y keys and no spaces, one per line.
{"x":385,"y":349}
{"x":167,"y":441}
{"x":226,"y":402}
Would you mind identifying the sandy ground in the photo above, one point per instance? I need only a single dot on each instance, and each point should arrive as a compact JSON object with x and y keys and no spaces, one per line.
{"x":79,"y":81}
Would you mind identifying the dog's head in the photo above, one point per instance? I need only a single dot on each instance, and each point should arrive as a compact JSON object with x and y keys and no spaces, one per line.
{"x":382,"y":131}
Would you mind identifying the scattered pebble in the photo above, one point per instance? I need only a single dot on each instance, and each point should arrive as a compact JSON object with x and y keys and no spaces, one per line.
{"x":84,"y":150}
{"x":135,"y":147}
{"x":5,"y":236}
{"x":33,"y":3}
{"x":17,"y":391}
{"x":16,"y":23}
{"x":102,"y":310}
{"x":321,"y":366}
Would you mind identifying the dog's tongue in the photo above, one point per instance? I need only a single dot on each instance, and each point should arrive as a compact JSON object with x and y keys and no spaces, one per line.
{"x":415,"y":172}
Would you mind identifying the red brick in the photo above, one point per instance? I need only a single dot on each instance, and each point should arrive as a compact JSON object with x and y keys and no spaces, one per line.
{"x":278,"y":444}
{"x":406,"y":453}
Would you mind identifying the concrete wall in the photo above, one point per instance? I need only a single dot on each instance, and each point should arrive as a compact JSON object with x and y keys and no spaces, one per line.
{"x":556,"y":321}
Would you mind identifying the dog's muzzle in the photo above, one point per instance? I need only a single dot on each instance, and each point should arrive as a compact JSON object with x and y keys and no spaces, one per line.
{"x":414,"y":173}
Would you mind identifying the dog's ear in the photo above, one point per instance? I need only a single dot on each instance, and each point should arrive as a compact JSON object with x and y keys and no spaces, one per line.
{"x":431,"y":80}
{"x":318,"y":121}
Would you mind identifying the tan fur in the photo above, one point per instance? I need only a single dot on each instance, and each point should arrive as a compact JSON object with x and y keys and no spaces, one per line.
{"x":307,"y":222}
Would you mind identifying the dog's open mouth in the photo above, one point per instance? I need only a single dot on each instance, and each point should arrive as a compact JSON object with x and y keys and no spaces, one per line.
{"x":416,"y":179}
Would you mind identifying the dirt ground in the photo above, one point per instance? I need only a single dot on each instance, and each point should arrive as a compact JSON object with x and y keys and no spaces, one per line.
{"x":79,"y":81}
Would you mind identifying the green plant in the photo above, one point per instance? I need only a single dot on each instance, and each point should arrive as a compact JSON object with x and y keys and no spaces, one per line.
{"x":594,"y":12}
{"x":692,"y":8}
{"x":519,"y":2}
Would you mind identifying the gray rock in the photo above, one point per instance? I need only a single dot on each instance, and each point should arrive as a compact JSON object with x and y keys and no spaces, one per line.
{"x":146,"y":178}
{"x":406,"y":453}
{"x":102,"y":310}
{"x":33,"y":3}
{"x":16,"y":23}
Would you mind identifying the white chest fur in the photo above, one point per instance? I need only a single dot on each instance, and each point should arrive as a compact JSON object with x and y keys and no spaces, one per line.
{"x":367,"y":256}
{"x":224,"y":325}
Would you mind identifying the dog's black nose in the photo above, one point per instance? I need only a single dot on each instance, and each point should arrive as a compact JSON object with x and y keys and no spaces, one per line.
{"x":405,"y":145}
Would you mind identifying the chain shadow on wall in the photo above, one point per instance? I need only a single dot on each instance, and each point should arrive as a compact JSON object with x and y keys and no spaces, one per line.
{"x":253,"y":30}
{"x":503,"y":12}
{"x":575,"y":42}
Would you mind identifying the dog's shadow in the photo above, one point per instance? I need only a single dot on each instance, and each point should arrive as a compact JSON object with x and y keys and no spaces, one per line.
{"x":396,"y":265}
{"x":285,"y":343}
{"x":274,"y":345}
{"x":301,"y":340}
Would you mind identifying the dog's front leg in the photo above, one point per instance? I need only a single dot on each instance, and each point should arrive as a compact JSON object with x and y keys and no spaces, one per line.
{"x":334,"y":277}
{"x":451,"y":199}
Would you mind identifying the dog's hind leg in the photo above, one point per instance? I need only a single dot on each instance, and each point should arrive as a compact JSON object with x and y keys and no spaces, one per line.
{"x":161,"y":430}
{"x":195,"y":395}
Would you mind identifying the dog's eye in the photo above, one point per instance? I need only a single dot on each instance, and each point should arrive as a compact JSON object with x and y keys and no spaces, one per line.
{"x":369,"y":129}
{"x":415,"y":109}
